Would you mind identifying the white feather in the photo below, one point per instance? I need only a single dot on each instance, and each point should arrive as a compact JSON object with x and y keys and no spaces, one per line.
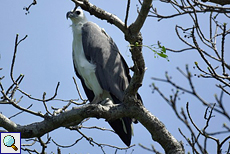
{"x":84,"y":67}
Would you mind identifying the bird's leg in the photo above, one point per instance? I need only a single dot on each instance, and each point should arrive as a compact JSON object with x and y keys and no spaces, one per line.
{"x":96,"y":100}
{"x":102,"y":98}
{"x":107,"y":102}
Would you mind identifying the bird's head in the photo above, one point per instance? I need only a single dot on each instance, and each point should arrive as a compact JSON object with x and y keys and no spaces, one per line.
{"x":76,"y":16}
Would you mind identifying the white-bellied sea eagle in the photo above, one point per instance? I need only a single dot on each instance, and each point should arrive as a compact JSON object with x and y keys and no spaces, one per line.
{"x":100,"y":67}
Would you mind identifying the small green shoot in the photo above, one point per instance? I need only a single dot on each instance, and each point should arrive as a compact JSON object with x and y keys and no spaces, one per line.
{"x":156,"y":48}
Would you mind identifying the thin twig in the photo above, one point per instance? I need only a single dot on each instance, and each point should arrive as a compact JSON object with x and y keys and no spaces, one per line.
{"x":95,"y":127}
{"x":14,"y":55}
{"x":41,"y":100}
{"x":68,"y":146}
{"x":92,"y":142}
{"x":127,"y":13}
{"x":222,"y":48}
{"x":20,"y":112}
{"x":30,"y":144}
{"x":28,"y":8}
{"x":189,"y":142}
{"x":79,"y":93}
{"x":44,"y":146}
{"x":44,"y":103}
{"x":21,"y":108}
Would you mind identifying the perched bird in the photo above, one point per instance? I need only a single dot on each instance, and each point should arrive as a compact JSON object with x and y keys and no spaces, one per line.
{"x":100,"y":67}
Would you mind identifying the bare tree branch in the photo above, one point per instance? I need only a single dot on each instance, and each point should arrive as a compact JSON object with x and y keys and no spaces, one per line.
{"x":28,"y":8}
{"x":137,"y":25}
{"x":127,"y":13}
{"x":77,"y":114}
{"x":101,"y":14}
{"x":67,"y":146}
{"x":187,"y":7}
{"x":221,"y":2}
{"x":14,"y":56}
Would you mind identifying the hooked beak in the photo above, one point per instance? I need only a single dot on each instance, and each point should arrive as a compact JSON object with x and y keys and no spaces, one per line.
{"x":69,"y":14}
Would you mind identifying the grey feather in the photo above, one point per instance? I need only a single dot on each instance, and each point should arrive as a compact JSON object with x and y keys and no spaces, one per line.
{"x":111,"y":69}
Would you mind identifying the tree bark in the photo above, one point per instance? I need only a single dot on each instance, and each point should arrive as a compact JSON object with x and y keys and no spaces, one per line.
{"x":74,"y":116}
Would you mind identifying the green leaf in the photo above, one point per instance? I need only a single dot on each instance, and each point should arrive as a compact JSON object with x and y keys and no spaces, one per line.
{"x":162,"y":55}
{"x":157,"y":49}
{"x":163,"y":49}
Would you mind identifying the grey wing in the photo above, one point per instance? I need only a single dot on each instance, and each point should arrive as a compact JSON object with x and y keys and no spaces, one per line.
{"x":111,"y":70}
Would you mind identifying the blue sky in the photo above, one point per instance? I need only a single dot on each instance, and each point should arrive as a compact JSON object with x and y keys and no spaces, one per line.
{"x":45,"y":58}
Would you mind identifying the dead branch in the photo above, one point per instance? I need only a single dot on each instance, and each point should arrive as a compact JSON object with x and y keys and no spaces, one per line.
{"x":28,"y":8}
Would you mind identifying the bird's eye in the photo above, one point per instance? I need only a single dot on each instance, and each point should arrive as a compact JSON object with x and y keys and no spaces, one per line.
{"x":78,"y":12}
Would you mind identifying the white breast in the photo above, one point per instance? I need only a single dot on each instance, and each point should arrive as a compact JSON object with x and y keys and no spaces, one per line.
{"x":84,"y":67}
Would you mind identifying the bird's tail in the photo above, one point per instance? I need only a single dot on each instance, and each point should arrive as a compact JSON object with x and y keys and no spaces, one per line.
{"x":123,"y":128}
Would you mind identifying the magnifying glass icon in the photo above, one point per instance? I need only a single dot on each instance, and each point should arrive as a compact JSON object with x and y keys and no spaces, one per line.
{"x":9,"y":141}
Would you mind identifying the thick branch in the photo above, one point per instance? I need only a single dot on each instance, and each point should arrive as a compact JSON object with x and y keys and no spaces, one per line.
{"x":139,"y":22}
{"x":76,"y":115}
{"x":101,"y":14}
{"x":159,"y":132}
{"x":134,"y":37}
